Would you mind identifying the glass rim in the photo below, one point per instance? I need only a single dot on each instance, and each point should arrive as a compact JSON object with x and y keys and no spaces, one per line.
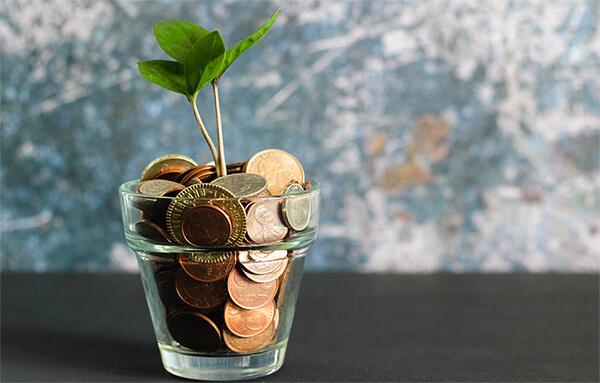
{"x":315,"y":188}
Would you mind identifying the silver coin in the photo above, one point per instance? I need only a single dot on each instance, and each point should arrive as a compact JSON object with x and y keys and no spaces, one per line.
{"x":264,"y":265}
{"x":264,"y":278}
{"x":242,"y":185}
{"x":296,"y":210}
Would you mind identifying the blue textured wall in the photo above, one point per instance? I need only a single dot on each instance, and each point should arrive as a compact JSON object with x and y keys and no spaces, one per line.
{"x":449,"y":135}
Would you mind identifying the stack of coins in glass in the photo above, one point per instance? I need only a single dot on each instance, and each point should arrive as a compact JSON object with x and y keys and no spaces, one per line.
{"x":223,"y":299}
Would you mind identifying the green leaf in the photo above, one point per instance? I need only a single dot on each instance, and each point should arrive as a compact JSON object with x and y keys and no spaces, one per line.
{"x":239,"y":48}
{"x":177,"y":37}
{"x":204,"y":61}
{"x":168,"y":74}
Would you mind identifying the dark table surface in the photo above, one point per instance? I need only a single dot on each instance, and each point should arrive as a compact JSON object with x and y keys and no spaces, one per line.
{"x":348,"y":327}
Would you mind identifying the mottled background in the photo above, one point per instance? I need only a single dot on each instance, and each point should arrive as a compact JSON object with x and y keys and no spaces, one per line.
{"x":449,"y":135}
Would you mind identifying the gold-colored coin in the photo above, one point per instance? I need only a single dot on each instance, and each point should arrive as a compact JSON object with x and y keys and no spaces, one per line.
{"x":206,"y":194}
{"x":278,"y":167}
{"x":167,"y":164}
{"x":296,"y":209}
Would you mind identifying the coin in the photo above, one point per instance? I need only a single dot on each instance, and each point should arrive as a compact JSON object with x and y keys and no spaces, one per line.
{"x":249,"y":344}
{"x":242,"y":185}
{"x":209,"y":256}
{"x":200,"y":295}
{"x":265,"y":263}
{"x":153,"y":188}
{"x":206,"y":194}
{"x":167,"y":163}
{"x":248,"y":322}
{"x":264,"y":224}
{"x":151,"y":230}
{"x":207,"y":272}
{"x":205,"y":225}
{"x":158,"y":187}
{"x":164,"y":276}
{"x":296,"y":209}
{"x":194,"y":330}
{"x":278,"y":167}
{"x":247,"y":293}
{"x":267,"y":277}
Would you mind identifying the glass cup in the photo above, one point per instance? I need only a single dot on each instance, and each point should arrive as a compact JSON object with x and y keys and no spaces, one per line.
{"x":221,"y":312}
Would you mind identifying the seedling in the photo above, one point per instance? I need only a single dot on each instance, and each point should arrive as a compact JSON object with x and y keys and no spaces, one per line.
{"x":200,"y":59}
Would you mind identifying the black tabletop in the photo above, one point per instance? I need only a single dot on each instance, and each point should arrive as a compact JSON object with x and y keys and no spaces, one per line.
{"x":348,"y":327}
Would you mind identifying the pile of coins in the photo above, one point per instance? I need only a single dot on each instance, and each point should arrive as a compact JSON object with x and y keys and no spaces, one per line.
{"x":227,"y":298}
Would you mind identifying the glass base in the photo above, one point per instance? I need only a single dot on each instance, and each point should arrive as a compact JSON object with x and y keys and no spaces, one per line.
{"x":222,"y":368}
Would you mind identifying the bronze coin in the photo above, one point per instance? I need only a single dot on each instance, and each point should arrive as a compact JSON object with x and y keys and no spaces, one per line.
{"x":200,"y":295}
{"x":263,"y":222}
{"x":152,"y":231}
{"x":158,"y":213}
{"x":167,"y":163}
{"x":207,"y":272}
{"x":248,"y":322}
{"x":205,"y":225}
{"x":172,"y":175}
{"x":194,"y":330}
{"x":196,"y":172}
{"x":249,"y":294}
{"x":249,"y":344}
{"x":165,"y":284}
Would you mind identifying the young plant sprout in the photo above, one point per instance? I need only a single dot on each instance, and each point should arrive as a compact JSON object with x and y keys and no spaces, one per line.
{"x":201,"y":58}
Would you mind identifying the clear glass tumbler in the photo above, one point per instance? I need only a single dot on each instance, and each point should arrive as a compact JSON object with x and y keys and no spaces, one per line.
{"x":221,"y":312}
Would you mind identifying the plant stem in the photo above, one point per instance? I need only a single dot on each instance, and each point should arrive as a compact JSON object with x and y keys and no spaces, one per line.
{"x":211,"y":146}
{"x":221,"y":159}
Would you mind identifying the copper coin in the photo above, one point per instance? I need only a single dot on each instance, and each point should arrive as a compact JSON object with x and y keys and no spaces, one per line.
{"x":172,"y":175}
{"x":200,"y":295}
{"x":196,"y":172}
{"x":151,"y":230}
{"x":158,"y":213}
{"x":263,"y":222}
{"x":278,"y":167}
{"x":167,"y":163}
{"x":165,"y":284}
{"x":194,"y":330}
{"x":203,"y":194}
{"x":249,"y":294}
{"x":248,"y":322}
{"x":205,"y":225}
{"x":307,"y":185}
{"x":207,"y":272}
{"x":249,"y":344}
